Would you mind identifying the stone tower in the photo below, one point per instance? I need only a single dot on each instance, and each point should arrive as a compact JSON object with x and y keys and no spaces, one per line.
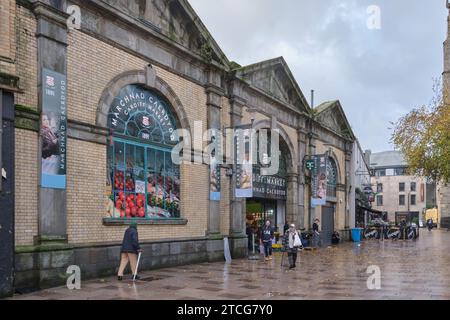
{"x":446,"y":73}
{"x":443,"y":191}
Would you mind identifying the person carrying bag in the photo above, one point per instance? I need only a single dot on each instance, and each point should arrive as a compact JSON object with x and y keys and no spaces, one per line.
{"x":291,"y":244}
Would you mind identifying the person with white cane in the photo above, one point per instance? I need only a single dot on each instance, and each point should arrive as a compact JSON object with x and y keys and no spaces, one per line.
{"x":291,"y":244}
{"x":129,"y":252}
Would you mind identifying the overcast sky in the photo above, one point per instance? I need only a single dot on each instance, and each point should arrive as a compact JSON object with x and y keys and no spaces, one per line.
{"x":378,"y":75}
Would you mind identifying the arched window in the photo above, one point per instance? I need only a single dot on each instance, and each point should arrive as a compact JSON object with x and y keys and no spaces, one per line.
{"x":331,"y":178}
{"x":144,"y":182}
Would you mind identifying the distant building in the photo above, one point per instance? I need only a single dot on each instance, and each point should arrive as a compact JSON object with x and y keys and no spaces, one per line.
{"x":360,"y":187}
{"x":398,"y":194}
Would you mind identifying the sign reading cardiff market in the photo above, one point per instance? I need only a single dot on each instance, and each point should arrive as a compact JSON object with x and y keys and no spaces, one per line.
{"x":270,"y":187}
{"x":53,"y":130}
{"x":140,"y":113}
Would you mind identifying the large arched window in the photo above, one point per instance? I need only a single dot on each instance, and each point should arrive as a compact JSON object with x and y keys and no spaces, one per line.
{"x":144,"y":182}
{"x":331,"y":178}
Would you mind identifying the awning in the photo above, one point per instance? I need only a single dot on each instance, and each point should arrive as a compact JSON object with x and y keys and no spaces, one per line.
{"x":370,"y":209}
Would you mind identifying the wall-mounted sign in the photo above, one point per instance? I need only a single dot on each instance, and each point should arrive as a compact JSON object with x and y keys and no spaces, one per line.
{"x":309,"y":164}
{"x":243,"y":160}
{"x":53,"y":130}
{"x":319,"y":180}
{"x":269,"y":187}
{"x":141,"y":113}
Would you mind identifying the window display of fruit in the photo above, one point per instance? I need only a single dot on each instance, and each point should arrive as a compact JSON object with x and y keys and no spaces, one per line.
{"x":118,"y":180}
{"x":129,"y":185}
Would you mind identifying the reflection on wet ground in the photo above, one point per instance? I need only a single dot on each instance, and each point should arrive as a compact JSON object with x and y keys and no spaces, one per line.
{"x":409,"y":270}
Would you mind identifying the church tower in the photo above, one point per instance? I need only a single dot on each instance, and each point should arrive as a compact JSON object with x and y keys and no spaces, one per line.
{"x":446,"y":73}
{"x":442,"y":190}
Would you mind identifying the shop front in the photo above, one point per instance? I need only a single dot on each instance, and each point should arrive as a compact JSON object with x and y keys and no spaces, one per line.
{"x":268,"y":202}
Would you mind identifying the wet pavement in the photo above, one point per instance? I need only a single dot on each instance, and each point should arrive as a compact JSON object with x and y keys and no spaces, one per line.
{"x":409,"y":270}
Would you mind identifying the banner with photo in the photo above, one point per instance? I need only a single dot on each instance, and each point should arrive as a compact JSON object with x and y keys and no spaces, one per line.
{"x":319,"y":181}
{"x":214,"y":168}
{"x":53,"y":130}
{"x":243,"y":161}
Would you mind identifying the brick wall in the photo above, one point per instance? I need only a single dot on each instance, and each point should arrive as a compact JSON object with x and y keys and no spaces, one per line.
{"x":26,"y":57}
{"x":91,"y":65}
{"x":7,"y":43}
{"x":88,"y":76}
{"x":26,"y":193}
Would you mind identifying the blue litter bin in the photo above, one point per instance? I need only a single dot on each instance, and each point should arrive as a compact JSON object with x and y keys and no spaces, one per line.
{"x":356,"y":234}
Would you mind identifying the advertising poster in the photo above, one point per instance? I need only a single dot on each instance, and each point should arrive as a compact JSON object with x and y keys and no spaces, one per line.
{"x":319,"y":181}
{"x":53,"y":130}
{"x":244,"y":164}
{"x":214,"y":169}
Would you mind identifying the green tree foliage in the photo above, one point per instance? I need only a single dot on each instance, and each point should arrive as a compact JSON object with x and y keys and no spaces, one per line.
{"x":423,"y":136}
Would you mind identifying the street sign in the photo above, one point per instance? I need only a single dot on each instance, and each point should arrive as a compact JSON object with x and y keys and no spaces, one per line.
{"x":309,"y":164}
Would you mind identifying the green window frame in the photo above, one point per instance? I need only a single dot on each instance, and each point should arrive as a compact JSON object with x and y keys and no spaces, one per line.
{"x":144,"y":182}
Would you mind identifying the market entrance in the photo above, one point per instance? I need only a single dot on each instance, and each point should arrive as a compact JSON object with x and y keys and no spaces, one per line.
{"x":269,"y":199}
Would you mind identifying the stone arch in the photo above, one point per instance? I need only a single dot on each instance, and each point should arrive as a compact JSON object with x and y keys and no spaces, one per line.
{"x":267,"y":124}
{"x":147,"y":79}
{"x":333,"y":156}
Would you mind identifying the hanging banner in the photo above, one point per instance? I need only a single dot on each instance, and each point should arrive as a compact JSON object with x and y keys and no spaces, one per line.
{"x":244,"y":163}
{"x":53,"y":130}
{"x":319,"y":181}
{"x":214,"y":170}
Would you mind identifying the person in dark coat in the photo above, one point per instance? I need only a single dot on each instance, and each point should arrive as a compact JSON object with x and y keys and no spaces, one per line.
{"x":266,"y":240}
{"x":286,"y":227}
{"x":129,"y":250}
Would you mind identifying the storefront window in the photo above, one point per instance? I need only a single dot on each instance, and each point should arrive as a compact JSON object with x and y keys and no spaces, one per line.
{"x":145,"y":184}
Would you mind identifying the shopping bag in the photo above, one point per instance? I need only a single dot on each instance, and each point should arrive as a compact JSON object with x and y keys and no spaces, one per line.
{"x":261,"y":249}
{"x":297,"y":241}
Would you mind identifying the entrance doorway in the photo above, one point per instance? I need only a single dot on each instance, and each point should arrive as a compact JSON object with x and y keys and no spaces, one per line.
{"x":258,"y":211}
{"x":327,"y":224}
{"x":6,"y":193}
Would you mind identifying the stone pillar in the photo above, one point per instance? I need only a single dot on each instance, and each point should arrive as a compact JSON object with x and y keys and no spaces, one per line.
{"x":348,"y":160}
{"x":214,"y":96}
{"x":301,"y":141}
{"x":51,"y":37}
{"x":292,"y":198}
{"x":237,"y":226}
{"x":238,"y":238}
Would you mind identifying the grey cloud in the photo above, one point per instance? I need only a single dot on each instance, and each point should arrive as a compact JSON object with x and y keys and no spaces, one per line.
{"x":377,"y":75}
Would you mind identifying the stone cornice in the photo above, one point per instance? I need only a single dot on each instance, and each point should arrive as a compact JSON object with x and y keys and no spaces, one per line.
{"x":49,"y":13}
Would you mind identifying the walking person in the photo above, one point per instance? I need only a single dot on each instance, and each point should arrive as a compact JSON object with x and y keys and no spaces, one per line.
{"x":291,"y":244}
{"x":130,"y":249}
{"x":430,"y":224}
{"x":266,"y":240}
{"x":286,"y":227}
{"x":316,"y":233}
{"x":403,"y":229}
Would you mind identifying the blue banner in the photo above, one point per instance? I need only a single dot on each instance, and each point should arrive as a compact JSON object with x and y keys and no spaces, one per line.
{"x":53,"y":130}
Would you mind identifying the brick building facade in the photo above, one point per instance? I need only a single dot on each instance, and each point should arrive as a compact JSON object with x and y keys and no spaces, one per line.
{"x":162,"y":48}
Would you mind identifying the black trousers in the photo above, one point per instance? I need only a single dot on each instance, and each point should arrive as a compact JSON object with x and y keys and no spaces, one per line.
{"x":292,"y":258}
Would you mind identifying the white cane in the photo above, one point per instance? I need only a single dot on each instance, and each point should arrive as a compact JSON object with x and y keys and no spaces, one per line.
{"x":137,"y":266}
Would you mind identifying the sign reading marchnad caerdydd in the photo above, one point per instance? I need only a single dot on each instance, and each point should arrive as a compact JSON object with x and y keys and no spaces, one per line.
{"x":53,"y":129}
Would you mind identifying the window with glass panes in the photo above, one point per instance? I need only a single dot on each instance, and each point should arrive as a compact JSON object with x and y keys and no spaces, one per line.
{"x":331,"y":178}
{"x":145,"y":183}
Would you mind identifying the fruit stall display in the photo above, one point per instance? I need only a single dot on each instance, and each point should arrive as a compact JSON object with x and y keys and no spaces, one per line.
{"x":161,"y":200}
